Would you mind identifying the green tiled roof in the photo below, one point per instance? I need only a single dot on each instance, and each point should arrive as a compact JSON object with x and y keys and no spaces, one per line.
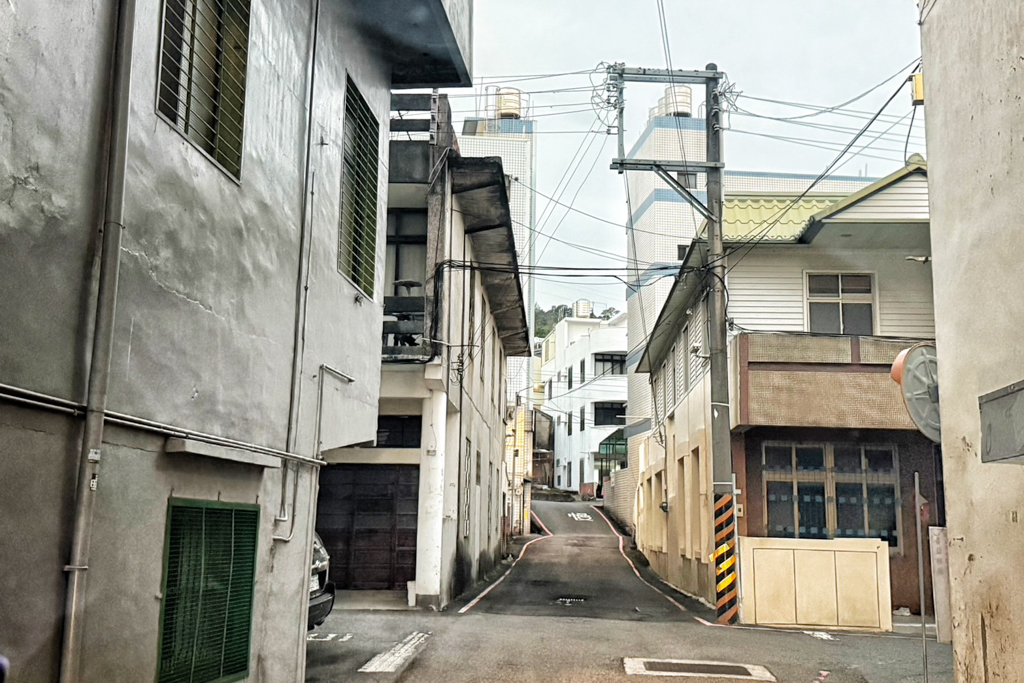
{"x":747,"y":217}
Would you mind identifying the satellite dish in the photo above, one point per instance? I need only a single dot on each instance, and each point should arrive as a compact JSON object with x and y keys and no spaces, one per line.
{"x":916,"y":370}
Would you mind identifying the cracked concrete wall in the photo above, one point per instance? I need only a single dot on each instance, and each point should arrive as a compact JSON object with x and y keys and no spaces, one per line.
{"x":205,"y":317}
{"x":974,"y":77}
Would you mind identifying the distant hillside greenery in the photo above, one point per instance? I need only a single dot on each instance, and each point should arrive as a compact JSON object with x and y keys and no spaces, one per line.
{"x":545,"y":321}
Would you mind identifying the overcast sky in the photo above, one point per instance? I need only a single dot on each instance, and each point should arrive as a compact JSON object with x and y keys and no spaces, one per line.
{"x":821,"y":52}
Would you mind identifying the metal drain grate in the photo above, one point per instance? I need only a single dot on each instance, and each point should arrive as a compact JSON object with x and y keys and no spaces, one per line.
{"x":570,"y":600}
{"x":698,"y":668}
{"x":689,"y":668}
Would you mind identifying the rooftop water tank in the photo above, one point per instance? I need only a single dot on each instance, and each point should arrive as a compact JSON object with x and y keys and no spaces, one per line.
{"x":508,"y":103}
{"x":677,"y":101}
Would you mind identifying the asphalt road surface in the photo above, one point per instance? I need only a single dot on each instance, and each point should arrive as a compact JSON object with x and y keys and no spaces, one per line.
{"x":577,"y":572}
{"x":521,"y":631}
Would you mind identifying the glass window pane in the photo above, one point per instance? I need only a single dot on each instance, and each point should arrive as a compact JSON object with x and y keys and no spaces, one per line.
{"x":810,"y":459}
{"x":849,"y":511}
{"x":857,"y":319}
{"x":825,"y":318}
{"x":879,"y":460}
{"x":778,"y":459}
{"x":882,"y":513}
{"x":811,"y":510}
{"x":823,"y":285}
{"x":779,"y":495}
{"x":847,"y":459}
{"x":856,"y":284}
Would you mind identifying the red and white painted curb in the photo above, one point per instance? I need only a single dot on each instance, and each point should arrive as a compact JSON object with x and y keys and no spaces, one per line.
{"x":472,"y":603}
{"x":622,"y":551}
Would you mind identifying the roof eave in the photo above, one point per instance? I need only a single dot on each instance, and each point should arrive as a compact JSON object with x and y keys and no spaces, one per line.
{"x":479,"y":182}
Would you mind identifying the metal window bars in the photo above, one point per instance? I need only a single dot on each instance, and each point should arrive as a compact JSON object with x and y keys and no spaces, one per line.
{"x":203,"y":58}
{"x":357,"y":247}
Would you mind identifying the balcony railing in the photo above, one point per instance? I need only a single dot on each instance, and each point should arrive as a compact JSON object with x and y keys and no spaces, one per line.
{"x":404,"y":328}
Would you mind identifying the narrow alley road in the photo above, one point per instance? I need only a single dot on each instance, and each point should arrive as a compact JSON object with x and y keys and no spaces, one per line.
{"x":573,"y":610}
{"x":578,"y":572}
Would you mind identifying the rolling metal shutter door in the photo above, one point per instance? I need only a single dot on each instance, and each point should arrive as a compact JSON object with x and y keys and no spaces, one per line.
{"x":366,"y":516}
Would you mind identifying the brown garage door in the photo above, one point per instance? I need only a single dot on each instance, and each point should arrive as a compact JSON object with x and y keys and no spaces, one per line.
{"x":366,"y":516}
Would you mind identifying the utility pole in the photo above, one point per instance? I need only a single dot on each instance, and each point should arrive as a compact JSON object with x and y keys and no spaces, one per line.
{"x":726,"y":575}
{"x":724,"y":554}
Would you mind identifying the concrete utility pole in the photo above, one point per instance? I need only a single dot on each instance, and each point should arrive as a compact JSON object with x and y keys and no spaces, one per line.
{"x":726,"y":561}
{"x":724,"y":556}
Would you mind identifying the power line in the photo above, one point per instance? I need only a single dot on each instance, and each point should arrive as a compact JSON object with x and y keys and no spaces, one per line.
{"x":750,"y":244}
{"x":850,"y":101}
{"x":590,"y":171}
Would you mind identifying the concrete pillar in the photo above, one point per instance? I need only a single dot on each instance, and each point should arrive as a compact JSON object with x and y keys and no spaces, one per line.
{"x":431,"y":501}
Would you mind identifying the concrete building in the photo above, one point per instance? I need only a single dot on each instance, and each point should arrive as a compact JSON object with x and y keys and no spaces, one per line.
{"x":506,"y":131}
{"x":192,"y":244}
{"x":420,"y":513}
{"x":583,"y":369}
{"x":660,"y":228}
{"x":975,"y":127}
{"x":823,"y":447}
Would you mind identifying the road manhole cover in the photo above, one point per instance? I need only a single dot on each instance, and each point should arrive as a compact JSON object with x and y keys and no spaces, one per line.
{"x":691,"y":668}
{"x":570,"y":600}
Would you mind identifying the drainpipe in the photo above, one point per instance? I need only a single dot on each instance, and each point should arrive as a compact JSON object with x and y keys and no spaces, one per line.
{"x":302,"y":285}
{"x":102,"y":344}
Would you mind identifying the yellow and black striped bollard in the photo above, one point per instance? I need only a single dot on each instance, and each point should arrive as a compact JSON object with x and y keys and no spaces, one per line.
{"x":727,"y":588}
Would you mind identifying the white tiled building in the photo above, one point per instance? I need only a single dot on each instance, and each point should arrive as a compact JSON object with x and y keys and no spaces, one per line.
{"x":661,"y":226}
{"x":584,"y":385}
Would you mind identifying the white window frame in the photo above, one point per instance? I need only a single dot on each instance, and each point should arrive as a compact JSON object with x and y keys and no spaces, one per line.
{"x":852,"y":299}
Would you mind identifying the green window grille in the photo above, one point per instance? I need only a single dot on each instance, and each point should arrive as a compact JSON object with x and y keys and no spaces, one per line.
{"x":357,"y":248}
{"x":209,"y":574}
{"x":203,"y":56}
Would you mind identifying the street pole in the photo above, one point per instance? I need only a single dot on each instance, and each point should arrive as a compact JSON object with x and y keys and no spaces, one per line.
{"x":721,"y":448}
{"x":726,"y":576}
{"x":920,"y":573}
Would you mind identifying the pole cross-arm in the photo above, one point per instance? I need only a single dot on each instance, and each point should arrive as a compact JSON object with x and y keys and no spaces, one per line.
{"x":674,"y":183}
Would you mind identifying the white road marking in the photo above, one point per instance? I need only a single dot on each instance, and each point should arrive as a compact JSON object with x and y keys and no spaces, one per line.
{"x":393,"y":659}
{"x":635,"y":666}
{"x":622,"y":552}
{"x":327,"y":637}
{"x":472,"y":603}
{"x":820,"y":635}
{"x":580,"y":516}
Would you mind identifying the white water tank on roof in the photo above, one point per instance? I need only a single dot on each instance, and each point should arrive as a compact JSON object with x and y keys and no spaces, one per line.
{"x":508,"y":103}
{"x":677,"y":101}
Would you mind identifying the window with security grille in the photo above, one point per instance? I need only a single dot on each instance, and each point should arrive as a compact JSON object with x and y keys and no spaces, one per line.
{"x":209,"y":574}
{"x":831,"y":491}
{"x":357,"y":245}
{"x":203,"y":55}
{"x":840,"y":303}
{"x":583,"y":418}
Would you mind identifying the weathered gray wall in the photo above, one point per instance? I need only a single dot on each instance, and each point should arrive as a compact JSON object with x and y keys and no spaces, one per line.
{"x":974,"y":77}
{"x":205,"y":318}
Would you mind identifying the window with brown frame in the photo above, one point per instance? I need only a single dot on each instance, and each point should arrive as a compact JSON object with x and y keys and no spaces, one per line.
{"x":831,"y":490}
